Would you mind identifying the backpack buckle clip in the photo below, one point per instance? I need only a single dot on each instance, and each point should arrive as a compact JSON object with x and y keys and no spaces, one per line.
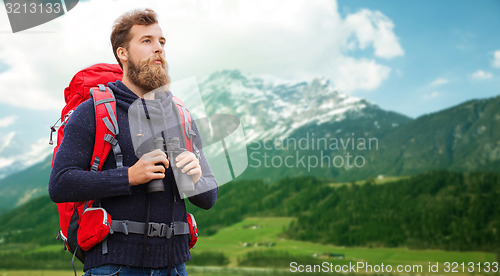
{"x":154,"y":229}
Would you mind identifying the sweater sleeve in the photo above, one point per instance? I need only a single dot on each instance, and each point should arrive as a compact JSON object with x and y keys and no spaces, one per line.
{"x":70,"y":179}
{"x":207,"y":182}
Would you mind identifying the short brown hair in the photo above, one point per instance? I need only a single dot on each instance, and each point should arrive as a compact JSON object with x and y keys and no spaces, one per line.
{"x":120,"y":36}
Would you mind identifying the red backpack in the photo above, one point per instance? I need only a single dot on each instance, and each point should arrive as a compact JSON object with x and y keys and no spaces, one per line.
{"x":88,"y":83}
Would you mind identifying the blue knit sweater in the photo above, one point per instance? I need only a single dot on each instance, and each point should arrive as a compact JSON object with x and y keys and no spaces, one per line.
{"x":71,"y":180}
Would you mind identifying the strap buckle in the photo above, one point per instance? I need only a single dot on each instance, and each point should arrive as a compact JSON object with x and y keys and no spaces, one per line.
{"x":110,"y":139}
{"x":155,"y":229}
{"x":160,"y":230}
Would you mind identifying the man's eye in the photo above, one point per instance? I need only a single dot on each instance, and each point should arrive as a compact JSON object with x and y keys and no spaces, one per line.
{"x":147,"y":41}
{"x":162,"y":43}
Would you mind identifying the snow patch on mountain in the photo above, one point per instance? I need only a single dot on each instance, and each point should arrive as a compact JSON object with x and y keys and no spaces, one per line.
{"x":270,"y":107}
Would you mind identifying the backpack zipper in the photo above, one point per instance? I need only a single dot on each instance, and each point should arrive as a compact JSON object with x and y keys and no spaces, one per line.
{"x":105,"y":214}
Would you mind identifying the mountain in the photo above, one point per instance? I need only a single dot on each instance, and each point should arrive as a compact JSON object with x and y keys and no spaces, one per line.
{"x":10,"y":146}
{"x":277,"y":114}
{"x":462,"y":138}
{"x":296,"y":128}
{"x":20,"y":187}
{"x":271,"y":108}
{"x":17,"y":155}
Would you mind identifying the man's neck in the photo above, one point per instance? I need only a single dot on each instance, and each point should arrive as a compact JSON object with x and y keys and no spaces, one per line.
{"x":134,"y":88}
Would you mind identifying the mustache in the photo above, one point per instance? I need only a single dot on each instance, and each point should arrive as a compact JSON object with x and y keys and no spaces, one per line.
{"x":156,"y":57}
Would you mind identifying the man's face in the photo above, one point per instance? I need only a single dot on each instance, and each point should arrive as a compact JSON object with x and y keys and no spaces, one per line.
{"x":147,"y":67}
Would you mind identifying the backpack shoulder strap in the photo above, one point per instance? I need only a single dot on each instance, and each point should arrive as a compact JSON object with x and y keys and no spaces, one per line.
{"x":106,"y":127}
{"x":186,"y":125}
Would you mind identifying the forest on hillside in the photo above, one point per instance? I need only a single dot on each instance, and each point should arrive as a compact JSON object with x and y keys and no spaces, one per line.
{"x":435,"y":210}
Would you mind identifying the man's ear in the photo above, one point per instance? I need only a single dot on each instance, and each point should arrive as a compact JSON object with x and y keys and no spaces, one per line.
{"x":122,"y":54}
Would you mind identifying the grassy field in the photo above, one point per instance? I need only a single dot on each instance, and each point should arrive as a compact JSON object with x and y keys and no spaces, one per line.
{"x":254,"y":234}
{"x":265,"y":235}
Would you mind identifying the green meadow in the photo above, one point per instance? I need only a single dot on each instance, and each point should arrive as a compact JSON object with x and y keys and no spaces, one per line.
{"x":256,"y":246}
{"x":264,"y":234}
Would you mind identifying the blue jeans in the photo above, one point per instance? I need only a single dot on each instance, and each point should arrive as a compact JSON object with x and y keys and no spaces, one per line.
{"x":111,"y":270}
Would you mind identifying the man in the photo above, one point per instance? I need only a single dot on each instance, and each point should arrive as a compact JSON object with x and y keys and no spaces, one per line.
{"x":138,"y":44}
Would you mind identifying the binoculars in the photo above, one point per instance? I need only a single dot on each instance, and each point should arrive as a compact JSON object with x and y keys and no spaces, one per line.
{"x":183,"y":180}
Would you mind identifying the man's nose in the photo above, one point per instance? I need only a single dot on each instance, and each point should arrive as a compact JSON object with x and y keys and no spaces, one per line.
{"x":158,"y":48}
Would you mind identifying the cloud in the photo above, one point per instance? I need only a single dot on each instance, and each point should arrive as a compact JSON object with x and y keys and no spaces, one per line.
{"x":36,"y":153}
{"x":6,"y":141}
{"x":439,"y":81}
{"x":374,"y":28}
{"x":41,"y":61}
{"x":7,"y":121}
{"x":481,"y":75}
{"x":496,"y":59}
{"x":13,"y":153}
{"x":289,"y":39}
{"x":431,"y":95}
{"x":4,"y":163}
{"x":359,"y":74}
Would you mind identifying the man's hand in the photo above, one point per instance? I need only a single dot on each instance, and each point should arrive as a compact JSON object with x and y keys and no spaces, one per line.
{"x":146,"y":169}
{"x":192,"y":165}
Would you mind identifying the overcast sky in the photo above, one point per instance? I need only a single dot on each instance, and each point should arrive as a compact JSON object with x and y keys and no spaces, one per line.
{"x":413,"y":57}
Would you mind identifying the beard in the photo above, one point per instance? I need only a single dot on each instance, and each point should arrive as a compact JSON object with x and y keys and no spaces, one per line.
{"x":148,"y":75}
